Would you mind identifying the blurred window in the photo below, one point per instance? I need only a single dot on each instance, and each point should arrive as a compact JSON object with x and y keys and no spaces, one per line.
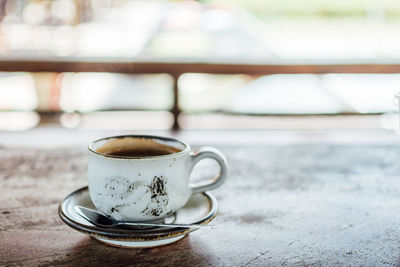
{"x":233,"y":31}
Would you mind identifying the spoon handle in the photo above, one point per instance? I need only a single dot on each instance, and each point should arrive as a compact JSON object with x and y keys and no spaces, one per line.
{"x":102,"y":220}
{"x":196,"y":226}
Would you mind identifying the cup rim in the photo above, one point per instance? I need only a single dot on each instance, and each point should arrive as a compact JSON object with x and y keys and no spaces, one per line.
{"x":187,"y":147}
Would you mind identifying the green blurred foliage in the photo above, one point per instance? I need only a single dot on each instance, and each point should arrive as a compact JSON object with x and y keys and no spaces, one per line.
{"x":320,"y":8}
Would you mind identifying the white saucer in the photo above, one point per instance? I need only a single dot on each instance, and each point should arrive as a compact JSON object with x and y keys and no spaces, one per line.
{"x":200,"y":209}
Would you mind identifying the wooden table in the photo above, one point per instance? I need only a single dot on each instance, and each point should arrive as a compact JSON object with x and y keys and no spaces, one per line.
{"x":290,"y":199}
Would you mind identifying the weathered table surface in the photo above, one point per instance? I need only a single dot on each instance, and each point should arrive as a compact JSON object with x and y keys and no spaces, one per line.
{"x":304,"y":203}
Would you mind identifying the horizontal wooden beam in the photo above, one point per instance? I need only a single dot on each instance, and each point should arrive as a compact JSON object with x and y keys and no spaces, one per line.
{"x":176,"y":68}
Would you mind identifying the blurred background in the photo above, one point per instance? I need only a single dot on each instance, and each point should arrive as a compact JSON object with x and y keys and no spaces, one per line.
{"x":236,"y":64}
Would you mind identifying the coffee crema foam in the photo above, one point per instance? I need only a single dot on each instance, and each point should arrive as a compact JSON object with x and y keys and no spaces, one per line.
{"x":134,"y":147}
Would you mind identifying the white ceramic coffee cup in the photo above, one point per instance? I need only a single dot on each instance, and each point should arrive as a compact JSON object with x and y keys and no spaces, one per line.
{"x":146,"y":188}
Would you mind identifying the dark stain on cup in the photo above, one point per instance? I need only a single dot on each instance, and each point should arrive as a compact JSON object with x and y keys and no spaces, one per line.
{"x":159,"y":197}
{"x":116,"y":208}
{"x":157,"y":187}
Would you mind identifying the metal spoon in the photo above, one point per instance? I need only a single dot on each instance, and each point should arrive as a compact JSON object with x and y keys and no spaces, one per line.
{"x":102,"y":220}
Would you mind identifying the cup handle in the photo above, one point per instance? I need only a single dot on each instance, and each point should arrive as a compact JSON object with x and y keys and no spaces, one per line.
{"x":210,"y":152}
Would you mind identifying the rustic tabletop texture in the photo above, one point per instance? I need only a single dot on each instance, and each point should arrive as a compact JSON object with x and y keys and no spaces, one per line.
{"x":300,"y":204}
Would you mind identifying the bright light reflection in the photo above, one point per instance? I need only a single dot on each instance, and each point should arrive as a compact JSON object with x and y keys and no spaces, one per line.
{"x":17,"y":92}
{"x":18,"y":121}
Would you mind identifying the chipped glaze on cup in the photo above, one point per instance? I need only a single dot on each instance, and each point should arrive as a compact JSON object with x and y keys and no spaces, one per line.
{"x":146,"y":188}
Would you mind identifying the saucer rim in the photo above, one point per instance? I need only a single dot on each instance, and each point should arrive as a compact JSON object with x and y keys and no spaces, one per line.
{"x":129,"y":235}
